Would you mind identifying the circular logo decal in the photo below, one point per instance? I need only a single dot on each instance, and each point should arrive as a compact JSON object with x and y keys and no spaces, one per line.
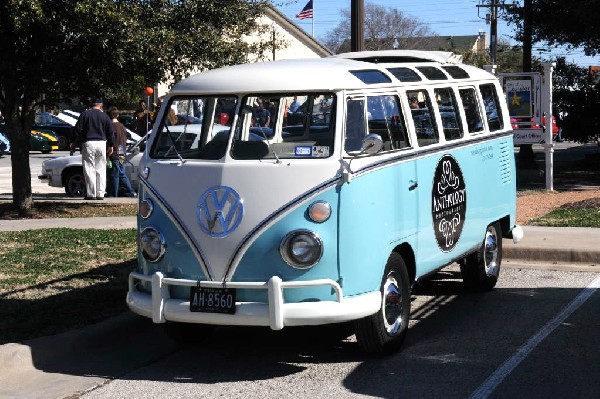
{"x":449,"y":203}
{"x":219,"y":211}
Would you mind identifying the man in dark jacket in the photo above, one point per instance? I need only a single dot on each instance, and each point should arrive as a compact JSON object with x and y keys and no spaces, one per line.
{"x":94,"y":133}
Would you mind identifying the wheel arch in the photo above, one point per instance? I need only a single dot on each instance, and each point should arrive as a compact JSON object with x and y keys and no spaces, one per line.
{"x":67,"y":171}
{"x":408,"y":255}
{"x":505,"y":226}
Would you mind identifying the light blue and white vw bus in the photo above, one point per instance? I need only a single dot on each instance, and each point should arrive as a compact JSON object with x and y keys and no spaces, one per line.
{"x":319,"y":191}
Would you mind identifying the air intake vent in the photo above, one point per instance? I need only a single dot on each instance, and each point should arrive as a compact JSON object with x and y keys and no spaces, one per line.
{"x":505,"y":152}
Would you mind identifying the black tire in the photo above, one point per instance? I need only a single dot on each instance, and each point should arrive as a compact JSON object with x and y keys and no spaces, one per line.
{"x":46,"y":151}
{"x":188,"y":333}
{"x":383,"y":332}
{"x":481,"y":269}
{"x":75,"y":183}
{"x":63,"y":142}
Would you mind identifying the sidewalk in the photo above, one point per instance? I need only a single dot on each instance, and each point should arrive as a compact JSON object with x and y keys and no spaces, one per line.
{"x":565,"y":246}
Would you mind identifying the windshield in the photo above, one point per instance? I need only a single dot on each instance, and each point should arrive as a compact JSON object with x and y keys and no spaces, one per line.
{"x":280,"y":126}
{"x":293,"y":125}
{"x":194,"y":127}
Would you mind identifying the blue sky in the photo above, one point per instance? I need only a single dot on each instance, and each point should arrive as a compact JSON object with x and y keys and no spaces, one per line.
{"x":444,"y":17}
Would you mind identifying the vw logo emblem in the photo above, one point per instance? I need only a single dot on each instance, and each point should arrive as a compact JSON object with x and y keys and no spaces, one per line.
{"x":219,"y":211}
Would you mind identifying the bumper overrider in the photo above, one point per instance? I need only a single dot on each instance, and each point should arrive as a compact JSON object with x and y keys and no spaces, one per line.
{"x":276,"y":313}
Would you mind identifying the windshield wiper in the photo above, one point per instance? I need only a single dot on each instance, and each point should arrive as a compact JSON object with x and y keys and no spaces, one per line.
{"x":174,"y":145}
{"x":260,"y":128}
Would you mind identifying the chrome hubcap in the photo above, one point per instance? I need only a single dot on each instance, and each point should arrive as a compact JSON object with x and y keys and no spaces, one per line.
{"x":392,"y":305}
{"x":491,"y":251}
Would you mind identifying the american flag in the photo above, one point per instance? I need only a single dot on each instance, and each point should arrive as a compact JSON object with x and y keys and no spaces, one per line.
{"x":307,"y":11}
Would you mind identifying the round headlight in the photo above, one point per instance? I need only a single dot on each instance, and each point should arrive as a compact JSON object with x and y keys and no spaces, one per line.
{"x":301,"y":249}
{"x":319,"y":211}
{"x":146,"y":208}
{"x":152,"y":244}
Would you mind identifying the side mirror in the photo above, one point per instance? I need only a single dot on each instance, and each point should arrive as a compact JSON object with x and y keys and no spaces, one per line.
{"x":371,"y":144}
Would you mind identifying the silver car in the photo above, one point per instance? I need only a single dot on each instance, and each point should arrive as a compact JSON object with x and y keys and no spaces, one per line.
{"x":67,"y":171}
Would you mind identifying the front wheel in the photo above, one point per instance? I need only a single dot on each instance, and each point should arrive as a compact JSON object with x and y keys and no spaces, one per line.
{"x":481,"y":269}
{"x":383,"y":332}
{"x":75,"y":183}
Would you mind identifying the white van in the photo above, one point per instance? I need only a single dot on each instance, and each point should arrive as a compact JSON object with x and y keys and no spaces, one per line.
{"x":319,"y":191}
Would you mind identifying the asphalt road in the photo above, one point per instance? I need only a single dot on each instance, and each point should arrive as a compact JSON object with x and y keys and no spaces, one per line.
{"x":535,"y":336}
{"x":457,"y":347}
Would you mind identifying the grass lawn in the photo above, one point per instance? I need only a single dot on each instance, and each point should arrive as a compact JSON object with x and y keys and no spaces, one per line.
{"x":54,"y":280}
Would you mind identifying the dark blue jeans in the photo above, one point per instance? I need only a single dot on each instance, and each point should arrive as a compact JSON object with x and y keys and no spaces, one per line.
{"x":119,"y":177}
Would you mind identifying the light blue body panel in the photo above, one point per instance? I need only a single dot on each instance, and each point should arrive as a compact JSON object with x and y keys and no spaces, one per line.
{"x":371,"y":215}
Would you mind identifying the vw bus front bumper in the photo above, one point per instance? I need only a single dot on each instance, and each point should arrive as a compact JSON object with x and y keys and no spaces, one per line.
{"x":276,"y":314}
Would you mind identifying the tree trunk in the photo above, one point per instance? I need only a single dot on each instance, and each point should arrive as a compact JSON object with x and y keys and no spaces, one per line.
{"x":21,"y":172}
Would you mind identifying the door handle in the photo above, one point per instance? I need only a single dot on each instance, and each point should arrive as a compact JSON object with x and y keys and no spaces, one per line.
{"x":413,"y":184}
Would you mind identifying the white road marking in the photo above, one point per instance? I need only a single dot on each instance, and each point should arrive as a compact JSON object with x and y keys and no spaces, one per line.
{"x":508,"y":366}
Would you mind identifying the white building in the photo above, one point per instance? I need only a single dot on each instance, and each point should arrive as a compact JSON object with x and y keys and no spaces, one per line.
{"x":292,"y":40}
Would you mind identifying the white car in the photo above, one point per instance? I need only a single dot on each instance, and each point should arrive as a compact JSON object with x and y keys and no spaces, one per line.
{"x":67,"y":171}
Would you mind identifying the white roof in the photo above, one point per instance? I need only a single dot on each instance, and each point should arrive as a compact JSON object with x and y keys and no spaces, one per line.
{"x":314,"y":74}
{"x":443,"y":57}
{"x":311,"y":74}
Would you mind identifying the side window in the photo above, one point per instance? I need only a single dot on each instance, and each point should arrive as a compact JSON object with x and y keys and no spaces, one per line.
{"x":386,"y":120}
{"x":493,"y":111}
{"x":422,"y":115}
{"x":449,"y":112}
{"x":472,"y":110}
{"x":355,"y":125}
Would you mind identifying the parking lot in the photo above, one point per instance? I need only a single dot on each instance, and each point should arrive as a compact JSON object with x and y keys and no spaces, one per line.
{"x":40,"y":189}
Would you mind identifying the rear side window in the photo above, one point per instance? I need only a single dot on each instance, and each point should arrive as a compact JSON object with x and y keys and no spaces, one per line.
{"x":472,"y":110}
{"x":451,"y":124}
{"x":493,"y":112}
{"x":422,"y":116}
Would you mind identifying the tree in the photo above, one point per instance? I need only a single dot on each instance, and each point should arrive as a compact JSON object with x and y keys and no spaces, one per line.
{"x":508,"y":58}
{"x":578,"y":96}
{"x":54,"y":49}
{"x":561,"y":22}
{"x":382,"y":26}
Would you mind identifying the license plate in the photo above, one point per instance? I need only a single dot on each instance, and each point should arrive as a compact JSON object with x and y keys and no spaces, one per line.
{"x":212,"y":300}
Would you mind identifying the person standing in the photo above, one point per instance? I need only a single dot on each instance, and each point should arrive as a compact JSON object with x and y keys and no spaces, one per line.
{"x":94,"y":134}
{"x":118,"y":157}
{"x":142,"y":118}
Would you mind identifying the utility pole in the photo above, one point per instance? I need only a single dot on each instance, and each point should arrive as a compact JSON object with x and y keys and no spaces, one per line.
{"x":491,"y":18}
{"x":357,"y":23}
{"x":527,"y":35}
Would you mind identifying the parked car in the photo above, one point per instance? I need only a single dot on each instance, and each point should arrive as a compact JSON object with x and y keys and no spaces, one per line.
{"x":43,"y":140}
{"x":4,"y":144}
{"x":63,"y":130}
{"x":514,"y":124}
{"x":128,"y":121}
{"x":67,"y":171}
